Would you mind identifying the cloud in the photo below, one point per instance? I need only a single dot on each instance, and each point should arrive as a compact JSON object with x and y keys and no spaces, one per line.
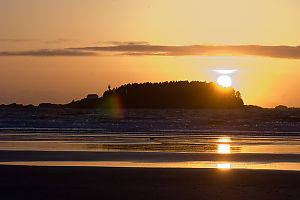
{"x":62,"y":40}
{"x":58,"y":41}
{"x":122,"y":43}
{"x":146,"y":49}
{"x":47,"y":52}
{"x":287,"y":52}
{"x":13,"y":40}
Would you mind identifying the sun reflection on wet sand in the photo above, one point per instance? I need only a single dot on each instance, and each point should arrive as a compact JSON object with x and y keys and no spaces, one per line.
{"x":194,"y":164}
{"x":224,"y":140}
{"x":223,"y":165}
{"x":187,"y":143}
{"x":224,"y":148}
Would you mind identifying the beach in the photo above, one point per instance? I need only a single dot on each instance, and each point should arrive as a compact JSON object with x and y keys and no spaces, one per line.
{"x":139,"y":99}
{"x":172,"y":154}
{"x":23,"y":182}
{"x":145,"y":175}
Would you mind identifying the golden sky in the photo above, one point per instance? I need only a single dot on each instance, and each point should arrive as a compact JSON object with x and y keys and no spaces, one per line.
{"x":60,"y":50}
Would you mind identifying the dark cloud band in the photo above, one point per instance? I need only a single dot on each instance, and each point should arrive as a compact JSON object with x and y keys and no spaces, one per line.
{"x":288,"y":52}
{"x":144,"y":49}
{"x":13,"y":40}
{"x":46,"y":52}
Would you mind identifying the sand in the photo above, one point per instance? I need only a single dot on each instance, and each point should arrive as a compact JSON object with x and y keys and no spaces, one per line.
{"x":7,"y":156}
{"x":37,"y":182}
{"x":23,"y":182}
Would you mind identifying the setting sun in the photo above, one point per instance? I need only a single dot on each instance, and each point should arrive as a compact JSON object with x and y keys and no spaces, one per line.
{"x":150,"y":99}
{"x":224,"y":81}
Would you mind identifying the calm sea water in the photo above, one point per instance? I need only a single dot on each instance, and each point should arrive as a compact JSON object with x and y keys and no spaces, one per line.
{"x":256,"y":139}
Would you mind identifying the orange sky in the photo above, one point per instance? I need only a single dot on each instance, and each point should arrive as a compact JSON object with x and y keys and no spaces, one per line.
{"x":268,"y":74}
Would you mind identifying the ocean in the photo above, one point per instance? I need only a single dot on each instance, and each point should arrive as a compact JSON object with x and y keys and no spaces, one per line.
{"x":175,"y":138}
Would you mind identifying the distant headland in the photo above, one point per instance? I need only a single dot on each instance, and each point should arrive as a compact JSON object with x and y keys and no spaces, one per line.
{"x":175,"y":94}
{"x":162,"y":95}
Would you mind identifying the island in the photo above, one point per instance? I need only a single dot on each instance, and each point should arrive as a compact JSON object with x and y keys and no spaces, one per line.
{"x":174,"y":94}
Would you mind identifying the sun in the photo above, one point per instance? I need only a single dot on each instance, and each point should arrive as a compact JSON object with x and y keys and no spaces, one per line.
{"x":224,"y":80}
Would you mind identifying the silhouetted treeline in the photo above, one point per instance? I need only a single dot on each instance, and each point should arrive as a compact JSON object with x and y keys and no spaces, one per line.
{"x":175,"y":94}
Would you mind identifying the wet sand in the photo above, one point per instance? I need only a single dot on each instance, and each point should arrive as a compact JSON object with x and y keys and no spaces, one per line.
{"x":10,"y":156}
{"x":23,"y":182}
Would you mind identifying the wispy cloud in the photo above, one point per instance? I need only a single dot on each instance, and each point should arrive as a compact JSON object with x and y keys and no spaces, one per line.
{"x":54,"y":41}
{"x":62,"y":40}
{"x":13,"y":40}
{"x":117,"y":43}
{"x":146,"y":49}
{"x":58,"y":41}
{"x":287,"y":52}
{"x":47,"y":52}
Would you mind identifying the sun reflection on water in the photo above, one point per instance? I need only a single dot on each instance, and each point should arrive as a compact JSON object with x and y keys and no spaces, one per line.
{"x":224,"y":148}
{"x":224,"y":140}
{"x":223,"y":165}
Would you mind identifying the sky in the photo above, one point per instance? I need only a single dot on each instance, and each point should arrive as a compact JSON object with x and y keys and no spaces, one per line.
{"x":60,"y":50}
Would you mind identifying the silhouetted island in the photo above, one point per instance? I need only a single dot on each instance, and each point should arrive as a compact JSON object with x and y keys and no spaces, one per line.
{"x":174,"y":94}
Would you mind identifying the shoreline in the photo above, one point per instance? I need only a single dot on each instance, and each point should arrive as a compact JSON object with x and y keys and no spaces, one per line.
{"x":284,"y":162}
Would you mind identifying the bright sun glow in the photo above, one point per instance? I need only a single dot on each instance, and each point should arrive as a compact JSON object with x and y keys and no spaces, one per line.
{"x":224,"y":148}
{"x":223,"y":166}
{"x":224,"y":140}
{"x":224,"y":81}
